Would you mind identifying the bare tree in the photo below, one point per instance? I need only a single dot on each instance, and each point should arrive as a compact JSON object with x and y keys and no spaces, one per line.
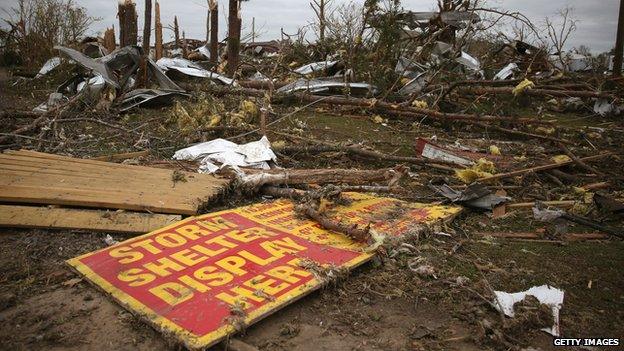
{"x":320,"y":8}
{"x":234,"y":31}
{"x":619,"y":43}
{"x":559,"y":31}
{"x":36,"y":26}
{"x":147,"y":27}
{"x":214,"y":32}
{"x":158,"y":32}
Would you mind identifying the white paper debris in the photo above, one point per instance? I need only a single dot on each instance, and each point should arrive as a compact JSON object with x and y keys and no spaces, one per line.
{"x":219,"y":153}
{"x":545,"y":294}
{"x":110,"y":241}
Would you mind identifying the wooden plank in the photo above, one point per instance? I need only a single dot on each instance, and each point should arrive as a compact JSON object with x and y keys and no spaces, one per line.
{"x":121,"y":157}
{"x":129,"y":186}
{"x":93,"y":198}
{"x":38,"y":178}
{"x":161,"y":177}
{"x":501,"y":209}
{"x":94,"y":220}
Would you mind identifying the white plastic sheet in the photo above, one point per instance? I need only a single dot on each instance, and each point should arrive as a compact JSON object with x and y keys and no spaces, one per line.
{"x":219,"y":153}
{"x":545,"y":294}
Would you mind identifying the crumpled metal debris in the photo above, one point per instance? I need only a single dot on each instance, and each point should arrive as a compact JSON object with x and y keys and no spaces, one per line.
{"x":315,"y":67}
{"x":545,"y":294}
{"x":476,"y":196}
{"x":543,"y":214}
{"x":192,"y":69}
{"x":54,"y":99}
{"x":147,"y":98}
{"x":119,"y":69}
{"x":256,"y":154}
{"x":48,"y":66}
{"x":329,"y":86}
{"x":605,"y":107}
{"x":507,"y":72}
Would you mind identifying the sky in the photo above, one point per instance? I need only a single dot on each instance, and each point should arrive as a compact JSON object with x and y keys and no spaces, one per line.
{"x":596,"y":27}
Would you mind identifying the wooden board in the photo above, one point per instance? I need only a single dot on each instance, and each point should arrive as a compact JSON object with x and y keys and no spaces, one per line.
{"x":93,"y":220}
{"x":38,"y":178}
{"x":202,"y":278}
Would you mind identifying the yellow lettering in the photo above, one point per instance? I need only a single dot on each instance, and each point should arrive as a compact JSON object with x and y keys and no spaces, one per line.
{"x":288,"y":274}
{"x":233,"y":264}
{"x":215,"y":224}
{"x":194,"y":284}
{"x":165,"y":264}
{"x":279,"y":248}
{"x":267,"y":285}
{"x":213,"y":279}
{"x":188,"y":257}
{"x":191,"y":231}
{"x":126,"y":254}
{"x":172,"y":293}
{"x":241,"y":295}
{"x":135,"y":277}
{"x":147,"y":245}
{"x":257,"y":260}
{"x":170,"y":240}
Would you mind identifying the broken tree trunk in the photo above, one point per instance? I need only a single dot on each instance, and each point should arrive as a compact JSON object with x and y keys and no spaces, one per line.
{"x":541,"y":168}
{"x":310,"y":209}
{"x":233,"y":43}
{"x":208,"y":24}
{"x":579,"y":162}
{"x":381,"y":106}
{"x":147,"y":31}
{"x":351,"y":231}
{"x":147,"y":27}
{"x":176,"y":32}
{"x":109,"y":40}
{"x":619,"y":44}
{"x":254,"y":180}
{"x":158,"y":38}
{"x":355,"y":150}
{"x":214,"y":32}
{"x":536,"y":92}
{"x":128,"y":29}
{"x":184,"y":46}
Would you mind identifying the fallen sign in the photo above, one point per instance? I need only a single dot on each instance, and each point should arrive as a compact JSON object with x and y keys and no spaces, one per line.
{"x":201,"y":279}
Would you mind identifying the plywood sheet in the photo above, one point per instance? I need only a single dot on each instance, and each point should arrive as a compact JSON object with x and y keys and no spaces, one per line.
{"x":38,"y":178}
{"x":93,"y":220}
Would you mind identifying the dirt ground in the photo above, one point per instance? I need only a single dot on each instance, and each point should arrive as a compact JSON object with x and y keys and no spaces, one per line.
{"x":382,"y":305}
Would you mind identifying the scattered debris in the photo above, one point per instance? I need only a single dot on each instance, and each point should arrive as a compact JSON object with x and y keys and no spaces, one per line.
{"x":475,"y":196}
{"x":545,"y":294}
{"x":257,"y":154}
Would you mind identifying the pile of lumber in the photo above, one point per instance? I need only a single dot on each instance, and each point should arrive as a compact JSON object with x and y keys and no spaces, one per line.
{"x":50,"y":191}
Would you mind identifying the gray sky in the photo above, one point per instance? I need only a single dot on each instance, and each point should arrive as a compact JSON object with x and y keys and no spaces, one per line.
{"x":596,"y":27}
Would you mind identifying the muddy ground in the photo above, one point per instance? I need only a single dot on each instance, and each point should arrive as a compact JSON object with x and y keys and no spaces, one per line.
{"x":382,"y":305}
